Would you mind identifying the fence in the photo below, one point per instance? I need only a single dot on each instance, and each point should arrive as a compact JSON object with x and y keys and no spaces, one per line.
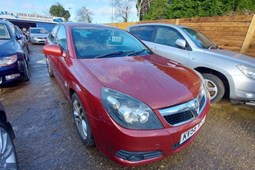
{"x":236,"y":33}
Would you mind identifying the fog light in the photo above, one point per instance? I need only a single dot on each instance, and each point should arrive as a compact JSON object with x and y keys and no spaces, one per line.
{"x":12,"y":76}
{"x":249,"y":94}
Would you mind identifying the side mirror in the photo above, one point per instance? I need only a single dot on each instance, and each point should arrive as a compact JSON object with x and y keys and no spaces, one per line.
{"x":181,"y":43}
{"x":54,"y":50}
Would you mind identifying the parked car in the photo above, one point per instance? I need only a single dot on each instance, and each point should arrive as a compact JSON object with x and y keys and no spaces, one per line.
{"x":37,"y":35}
{"x":138,"y":107}
{"x":224,"y":71}
{"x":13,"y":55}
{"x":8,"y":158}
{"x":23,"y":41}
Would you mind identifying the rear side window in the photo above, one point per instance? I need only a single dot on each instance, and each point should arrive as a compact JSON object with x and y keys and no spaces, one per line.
{"x":167,"y":36}
{"x":146,"y":33}
{"x":134,"y":30}
{"x":4,"y":34}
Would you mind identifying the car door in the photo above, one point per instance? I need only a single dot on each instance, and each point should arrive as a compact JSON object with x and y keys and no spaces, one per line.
{"x":145,"y":33}
{"x":165,"y":44}
{"x":52,"y":61}
{"x":64,"y":61}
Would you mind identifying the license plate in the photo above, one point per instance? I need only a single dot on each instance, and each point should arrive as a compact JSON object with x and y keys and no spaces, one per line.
{"x":189,"y":133}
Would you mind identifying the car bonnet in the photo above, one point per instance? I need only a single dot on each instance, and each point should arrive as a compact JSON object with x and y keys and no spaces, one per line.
{"x":152,"y":79}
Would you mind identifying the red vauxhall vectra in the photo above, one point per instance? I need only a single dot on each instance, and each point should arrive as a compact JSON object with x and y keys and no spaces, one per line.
{"x":136,"y":106}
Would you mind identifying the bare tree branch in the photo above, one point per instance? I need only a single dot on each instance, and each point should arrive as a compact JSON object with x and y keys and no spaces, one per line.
{"x":122,"y":9}
{"x":84,"y":15}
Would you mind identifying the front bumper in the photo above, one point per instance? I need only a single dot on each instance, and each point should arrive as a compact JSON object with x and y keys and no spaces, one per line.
{"x":242,"y":88}
{"x":137,"y":147}
{"x":11,"y":72}
{"x":39,"y":40}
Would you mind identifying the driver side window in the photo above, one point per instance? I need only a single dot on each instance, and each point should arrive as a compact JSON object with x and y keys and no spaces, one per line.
{"x":61,"y":38}
{"x":167,"y":36}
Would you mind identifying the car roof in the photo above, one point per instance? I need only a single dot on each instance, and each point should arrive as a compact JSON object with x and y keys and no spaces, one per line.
{"x":81,"y":24}
{"x":37,"y":28}
{"x":160,"y":24}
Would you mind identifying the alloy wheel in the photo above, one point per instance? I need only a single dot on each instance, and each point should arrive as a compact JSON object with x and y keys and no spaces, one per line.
{"x":80,"y":120}
{"x":212,"y":88}
{"x":7,"y":151}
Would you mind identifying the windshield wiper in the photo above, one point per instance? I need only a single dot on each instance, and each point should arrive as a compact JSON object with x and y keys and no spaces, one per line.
{"x":137,"y":52}
{"x":112,"y":54}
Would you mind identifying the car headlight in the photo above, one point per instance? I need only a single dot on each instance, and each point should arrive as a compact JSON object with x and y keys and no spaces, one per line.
{"x":129,"y":112}
{"x":247,"y":71}
{"x":5,"y":61}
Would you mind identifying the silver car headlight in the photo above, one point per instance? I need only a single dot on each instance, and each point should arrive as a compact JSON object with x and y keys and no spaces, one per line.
{"x":129,"y":112}
{"x":5,"y":61}
{"x":247,"y":71}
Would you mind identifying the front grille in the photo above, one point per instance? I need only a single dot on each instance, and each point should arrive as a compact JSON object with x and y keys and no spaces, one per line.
{"x":185,"y":112}
{"x":138,"y":156}
{"x":179,"y":117}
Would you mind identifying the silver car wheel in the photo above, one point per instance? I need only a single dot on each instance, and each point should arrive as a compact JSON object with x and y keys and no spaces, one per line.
{"x":80,"y":121}
{"x":7,"y":152}
{"x":212,"y":88}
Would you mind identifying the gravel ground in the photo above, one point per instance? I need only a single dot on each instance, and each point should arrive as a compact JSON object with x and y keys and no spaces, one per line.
{"x":46,"y":137}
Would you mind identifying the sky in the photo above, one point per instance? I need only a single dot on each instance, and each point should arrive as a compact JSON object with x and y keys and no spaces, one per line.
{"x":101,"y":9}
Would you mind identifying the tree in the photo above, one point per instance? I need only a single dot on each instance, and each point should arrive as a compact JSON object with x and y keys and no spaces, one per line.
{"x":122,"y":9}
{"x":159,"y":9}
{"x":59,"y":11}
{"x":142,"y":7}
{"x":167,"y":9}
{"x":84,"y":15}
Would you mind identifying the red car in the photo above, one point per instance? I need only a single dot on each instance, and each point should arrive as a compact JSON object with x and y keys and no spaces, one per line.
{"x":136,"y":106}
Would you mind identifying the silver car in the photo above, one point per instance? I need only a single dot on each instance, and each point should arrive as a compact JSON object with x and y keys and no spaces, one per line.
{"x":225,"y":72}
{"x":37,"y":35}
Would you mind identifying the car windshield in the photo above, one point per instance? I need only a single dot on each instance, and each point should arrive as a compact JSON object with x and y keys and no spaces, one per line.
{"x":92,"y":42}
{"x":39,"y":31}
{"x":4,"y":34}
{"x":199,"y":39}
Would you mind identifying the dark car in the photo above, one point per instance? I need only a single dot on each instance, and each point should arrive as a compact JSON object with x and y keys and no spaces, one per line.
{"x":24,"y":41}
{"x":13,"y":54}
{"x":8,"y":158}
{"x":136,"y":106}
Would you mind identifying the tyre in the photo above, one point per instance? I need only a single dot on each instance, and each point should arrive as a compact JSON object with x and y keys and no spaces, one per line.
{"x":25,"y":74}
{"x":215,"y":87}
{"x":49,"y":68}
{"x":7,"y":150}
{"x":81,"y":121}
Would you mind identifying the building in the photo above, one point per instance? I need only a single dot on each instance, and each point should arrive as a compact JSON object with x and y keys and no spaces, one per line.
{"x":24,"y":20}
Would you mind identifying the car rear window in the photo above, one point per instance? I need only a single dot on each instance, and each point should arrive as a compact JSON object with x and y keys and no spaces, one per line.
{"x":39,"y":31}
{"x":4,"y":34}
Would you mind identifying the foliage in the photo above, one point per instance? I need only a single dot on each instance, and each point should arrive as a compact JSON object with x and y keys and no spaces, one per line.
{"x":167,"y":9}
{"x":159,"y":9}
{"x":59,"y":11}
{"x":84,"y":15}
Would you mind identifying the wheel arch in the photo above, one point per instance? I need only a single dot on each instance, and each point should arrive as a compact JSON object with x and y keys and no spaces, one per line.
{"x":75,"y":88}
{"x":218,"y":74}
{"x":3,"y":116}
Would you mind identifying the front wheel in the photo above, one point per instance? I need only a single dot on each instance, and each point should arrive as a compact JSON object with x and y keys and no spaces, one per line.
{"x":49,"y":68}
{"x":8,"y":159}
{"x":81,"y":121}
{"x":25,"y":74}
{"x":215,"y":87}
